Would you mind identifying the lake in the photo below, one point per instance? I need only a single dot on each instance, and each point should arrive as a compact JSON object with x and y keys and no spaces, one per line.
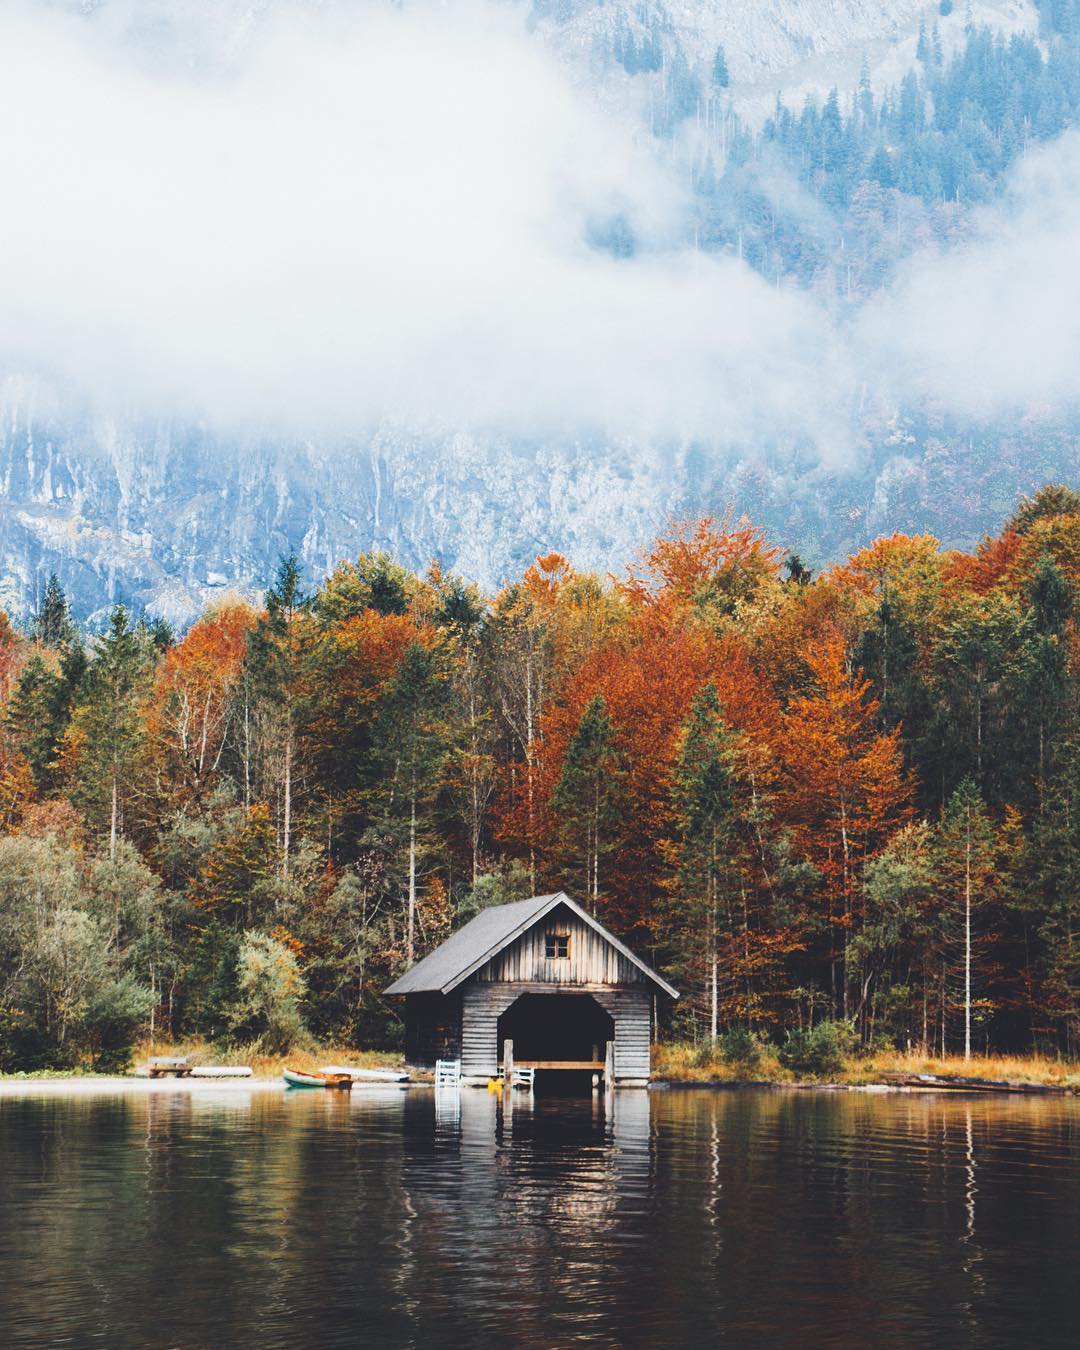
{"x":220,"y":1217}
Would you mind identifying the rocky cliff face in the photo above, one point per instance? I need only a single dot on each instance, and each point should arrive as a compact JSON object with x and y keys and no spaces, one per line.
{"x":165,"y":516}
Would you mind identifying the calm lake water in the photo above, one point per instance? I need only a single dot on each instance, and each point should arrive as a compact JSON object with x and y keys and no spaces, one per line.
{"x":745,"y":1218}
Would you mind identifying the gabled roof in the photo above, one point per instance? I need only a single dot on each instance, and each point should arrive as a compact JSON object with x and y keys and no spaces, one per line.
{"x":485,"y":936}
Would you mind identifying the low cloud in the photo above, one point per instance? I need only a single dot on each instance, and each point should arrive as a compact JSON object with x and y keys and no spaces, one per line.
{"x":337,"y":215}
{"x":310,"y":219}
{"x":993,"y":326}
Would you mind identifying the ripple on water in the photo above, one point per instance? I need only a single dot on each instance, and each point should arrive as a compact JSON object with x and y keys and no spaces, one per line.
{"x":772,"y":1218}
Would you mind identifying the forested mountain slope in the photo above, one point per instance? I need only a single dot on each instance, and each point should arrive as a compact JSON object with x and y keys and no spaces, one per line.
{"x":830,"y":152}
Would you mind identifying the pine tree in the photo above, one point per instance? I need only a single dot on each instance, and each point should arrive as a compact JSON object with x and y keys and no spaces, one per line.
{"x":413,"y":743}
{"x":703,"y":795}
{"x":276,"y":661}
{"x":29,"y":718}
{"x":586,"y":799}
{"x":107,"y":728}
{"x":1040,"y":673}
{"x":53,"y":626}
{"x":720,"y":76}
{"x":1055,"y":910}
{"x":966,"y":883}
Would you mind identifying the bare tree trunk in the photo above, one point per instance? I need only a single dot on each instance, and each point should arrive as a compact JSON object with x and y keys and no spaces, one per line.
{"x":967,"y":947}
{"x":410,"y":941}
{"x":287,"y":824}
{"x":114,"y":815}
{"x":529,"y":772}
{"x":153,"y":1004}
{"x":713,"y":981}
{"x":247,"y":750}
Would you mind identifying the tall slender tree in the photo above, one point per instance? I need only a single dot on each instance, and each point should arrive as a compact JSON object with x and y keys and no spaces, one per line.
{"x":413,"y":743}
{"x":53,"y":624}
{"x":586,"y":800}
{"x":966,"y":883}
{"x":277,"y":652}
{"x":107,"y":729}
{"x":703,"y":791}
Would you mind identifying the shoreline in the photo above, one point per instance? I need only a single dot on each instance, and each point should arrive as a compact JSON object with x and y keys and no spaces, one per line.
{"x":85,"y":1085}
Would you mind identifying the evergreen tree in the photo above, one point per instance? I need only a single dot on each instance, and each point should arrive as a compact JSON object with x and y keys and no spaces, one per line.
{"x":720,"y":77}
{"x":965,"y":880}
{"x":108,"y":727}
{"x":53,"y":626}
{"x":29,"y":719}
{"x":413,"y":743}
{"x":1040,"y":672}
{"x":1054,"y":911}
{"x":703,"y":796}
{"x":276,"y":661}
{"x":586,"y":799}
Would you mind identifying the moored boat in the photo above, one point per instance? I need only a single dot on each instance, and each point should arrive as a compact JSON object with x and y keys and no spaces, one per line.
{"x":367,"y":1075}
{"x":301,"y":1078}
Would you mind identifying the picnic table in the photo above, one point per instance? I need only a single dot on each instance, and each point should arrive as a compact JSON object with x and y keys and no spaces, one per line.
{"x":160,"y":1066}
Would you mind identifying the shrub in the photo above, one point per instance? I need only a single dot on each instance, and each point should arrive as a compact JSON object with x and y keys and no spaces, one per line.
{"x":703,"y":1055}
{"x":820,"y":1051}
{"x":740,"y":1048}
{"x":114,"y":1018}
{"x":271,"y":987}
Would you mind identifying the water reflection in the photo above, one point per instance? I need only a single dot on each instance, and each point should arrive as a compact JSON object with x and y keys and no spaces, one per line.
{"x":393,"y":1218}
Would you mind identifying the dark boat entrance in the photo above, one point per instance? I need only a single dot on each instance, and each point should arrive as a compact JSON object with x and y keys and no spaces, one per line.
{"x":549,"y":1031}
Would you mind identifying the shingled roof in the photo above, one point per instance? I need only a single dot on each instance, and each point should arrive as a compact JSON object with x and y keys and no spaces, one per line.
{"x":493,"y":929}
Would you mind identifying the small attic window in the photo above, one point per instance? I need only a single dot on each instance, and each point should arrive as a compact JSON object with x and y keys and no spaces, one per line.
{"x":557,"y":946}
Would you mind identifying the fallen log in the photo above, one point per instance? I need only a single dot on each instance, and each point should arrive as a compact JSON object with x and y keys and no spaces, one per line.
{"x":960,"y":1083}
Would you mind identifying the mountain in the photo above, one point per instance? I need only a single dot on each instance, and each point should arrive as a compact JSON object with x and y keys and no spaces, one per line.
{"x":826,"y":195}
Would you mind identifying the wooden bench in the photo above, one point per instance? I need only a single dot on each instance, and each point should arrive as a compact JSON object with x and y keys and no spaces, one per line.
{"x":160,"y":1066}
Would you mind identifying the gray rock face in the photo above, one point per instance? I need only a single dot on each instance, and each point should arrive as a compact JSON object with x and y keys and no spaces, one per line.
{"x":167,"y":516}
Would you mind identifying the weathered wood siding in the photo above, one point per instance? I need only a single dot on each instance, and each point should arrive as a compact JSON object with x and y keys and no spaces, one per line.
{"x":432,"y":1028}
{"x":592,"y":960}
{"x":483,"y":1003}
{"x":481,"y":1007}
{"x":631,"y":1011}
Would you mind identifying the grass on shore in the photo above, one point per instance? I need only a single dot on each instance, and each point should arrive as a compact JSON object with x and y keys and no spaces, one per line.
{"x":266,"y":1065}
{"x":680,"y":1060}
{"x":262,"y":1064}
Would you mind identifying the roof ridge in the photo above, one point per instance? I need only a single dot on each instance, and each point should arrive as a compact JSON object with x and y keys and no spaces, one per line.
{"x":489,"y":932}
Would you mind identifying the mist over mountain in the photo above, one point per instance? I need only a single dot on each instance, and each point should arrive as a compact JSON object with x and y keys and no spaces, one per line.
{"x":476,"y":281}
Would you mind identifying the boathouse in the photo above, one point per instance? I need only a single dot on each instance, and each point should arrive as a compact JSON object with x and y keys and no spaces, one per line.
{"x":542,"y":976}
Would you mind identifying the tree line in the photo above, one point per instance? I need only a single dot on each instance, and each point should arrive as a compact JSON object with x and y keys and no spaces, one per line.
{"x":847,"y":796}
{"x":837,"y":191}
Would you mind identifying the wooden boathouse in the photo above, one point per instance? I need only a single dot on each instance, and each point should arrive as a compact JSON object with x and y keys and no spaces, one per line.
{"x":542,"y":979}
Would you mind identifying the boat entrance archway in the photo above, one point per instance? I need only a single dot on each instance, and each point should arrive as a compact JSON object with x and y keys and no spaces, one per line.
{"x":550,"y":1030}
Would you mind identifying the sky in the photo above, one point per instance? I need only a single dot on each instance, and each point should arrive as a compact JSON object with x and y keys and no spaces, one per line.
{"x":314,"y":218}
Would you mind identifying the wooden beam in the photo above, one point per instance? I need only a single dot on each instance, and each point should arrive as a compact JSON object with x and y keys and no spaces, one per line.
{"x":585,"y":1064}
{"x":508,"y":1066}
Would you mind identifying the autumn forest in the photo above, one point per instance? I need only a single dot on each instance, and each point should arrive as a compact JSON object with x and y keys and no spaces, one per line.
{"x":851,"y":796}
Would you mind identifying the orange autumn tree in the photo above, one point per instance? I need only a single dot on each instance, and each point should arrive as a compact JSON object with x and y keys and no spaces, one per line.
{"x":16,"y":781}
{"x":646,"y":678}
{"x":717,"y":571}
{"x":355,"y":663}
{"x":541,"y":632}
{"x":195,"y":708}
{"x":843,"y":792}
